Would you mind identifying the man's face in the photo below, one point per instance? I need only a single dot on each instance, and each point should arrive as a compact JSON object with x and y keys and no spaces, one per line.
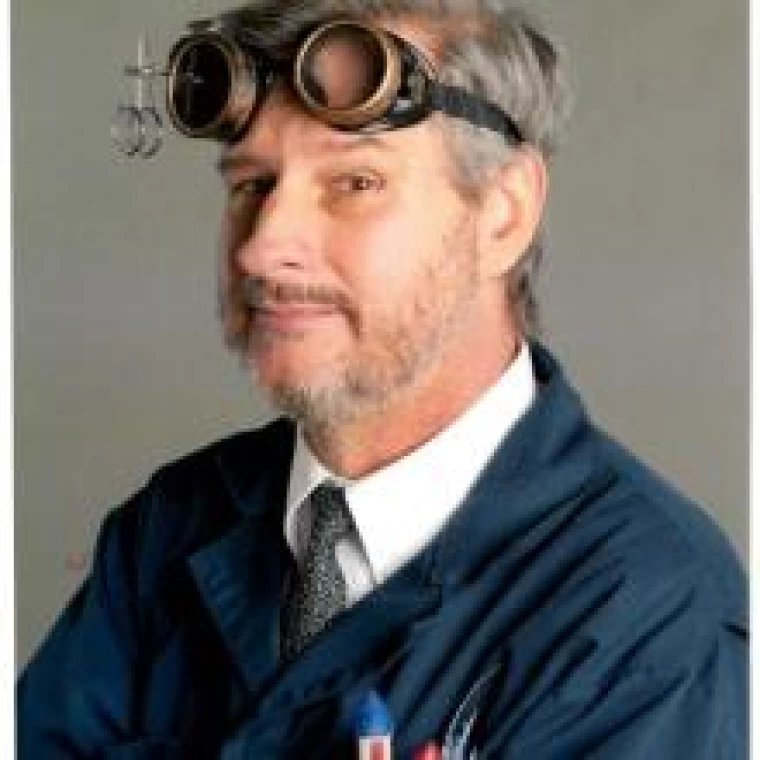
{"x":357,"y":259}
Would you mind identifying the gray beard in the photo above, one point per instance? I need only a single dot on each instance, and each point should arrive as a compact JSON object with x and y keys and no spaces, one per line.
{"x":358,"y":393}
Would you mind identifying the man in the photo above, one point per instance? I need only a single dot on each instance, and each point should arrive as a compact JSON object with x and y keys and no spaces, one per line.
{"x":434,"y":519}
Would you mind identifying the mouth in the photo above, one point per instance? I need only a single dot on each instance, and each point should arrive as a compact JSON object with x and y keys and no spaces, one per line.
{"x":293,"y":318}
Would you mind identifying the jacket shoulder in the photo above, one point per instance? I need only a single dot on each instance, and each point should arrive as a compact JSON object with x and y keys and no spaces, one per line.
{"x":669,"y":538}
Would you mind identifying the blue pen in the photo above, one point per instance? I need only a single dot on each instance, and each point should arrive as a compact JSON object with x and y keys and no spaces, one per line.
{"x":373,"y":726}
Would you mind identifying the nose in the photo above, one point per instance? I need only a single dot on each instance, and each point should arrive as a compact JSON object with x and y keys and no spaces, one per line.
{"x":282,"y":231}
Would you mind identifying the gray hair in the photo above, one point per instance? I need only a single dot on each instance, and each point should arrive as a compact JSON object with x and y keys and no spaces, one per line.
{"x":496,"y":52}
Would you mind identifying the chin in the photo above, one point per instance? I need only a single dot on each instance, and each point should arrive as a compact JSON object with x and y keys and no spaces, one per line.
{"x":313,"y":407}
{"x":296,"y":381}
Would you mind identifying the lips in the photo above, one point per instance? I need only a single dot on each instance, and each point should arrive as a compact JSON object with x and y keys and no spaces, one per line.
{"x":293,"y":317}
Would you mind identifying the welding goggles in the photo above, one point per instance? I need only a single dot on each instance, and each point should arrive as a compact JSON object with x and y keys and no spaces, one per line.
{"x":350,"y":75}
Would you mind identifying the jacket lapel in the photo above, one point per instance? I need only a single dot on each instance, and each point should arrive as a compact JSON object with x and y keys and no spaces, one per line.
{"x":240,"y":579}
{"x":241,"y":575}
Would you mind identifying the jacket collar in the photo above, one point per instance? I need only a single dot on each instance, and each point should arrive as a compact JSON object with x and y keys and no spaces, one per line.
{"x":550,"y":457}
{"x":255,"y":466}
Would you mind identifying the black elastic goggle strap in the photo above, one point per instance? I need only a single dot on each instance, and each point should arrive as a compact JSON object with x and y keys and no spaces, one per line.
{"x":457,"y":102}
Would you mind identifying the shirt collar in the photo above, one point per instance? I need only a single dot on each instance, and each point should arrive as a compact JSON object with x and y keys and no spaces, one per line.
{"x":398,"y":509}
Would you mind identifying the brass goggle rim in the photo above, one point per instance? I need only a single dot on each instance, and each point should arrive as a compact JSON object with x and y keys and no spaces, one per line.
{"x":377,"y":104}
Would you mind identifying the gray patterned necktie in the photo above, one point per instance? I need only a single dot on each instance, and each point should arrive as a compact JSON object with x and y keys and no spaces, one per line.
{"x":319,"y":591}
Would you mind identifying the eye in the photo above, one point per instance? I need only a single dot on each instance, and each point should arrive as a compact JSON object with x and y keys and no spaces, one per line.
{"x":356,"y":184}
{"x":253,"y":188}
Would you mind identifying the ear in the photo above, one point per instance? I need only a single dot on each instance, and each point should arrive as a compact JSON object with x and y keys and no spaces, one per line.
{"x":510,"y":211}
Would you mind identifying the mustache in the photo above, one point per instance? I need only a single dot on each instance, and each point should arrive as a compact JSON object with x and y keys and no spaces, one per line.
{"x":259,"y":292}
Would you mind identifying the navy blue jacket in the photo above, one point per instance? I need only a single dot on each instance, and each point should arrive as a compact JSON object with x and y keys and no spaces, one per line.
{"x":613,"y":608}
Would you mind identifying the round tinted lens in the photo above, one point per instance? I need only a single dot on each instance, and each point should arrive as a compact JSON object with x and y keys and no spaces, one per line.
{"x":344,"y":67}
{"x":201,"y":85}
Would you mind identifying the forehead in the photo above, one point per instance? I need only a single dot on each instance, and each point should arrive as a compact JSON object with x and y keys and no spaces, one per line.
{"x":265,"y":145}
{"x":282,"y":125}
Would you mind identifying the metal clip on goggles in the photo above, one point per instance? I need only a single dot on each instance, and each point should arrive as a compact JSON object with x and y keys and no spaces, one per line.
{"x":348,"y":74}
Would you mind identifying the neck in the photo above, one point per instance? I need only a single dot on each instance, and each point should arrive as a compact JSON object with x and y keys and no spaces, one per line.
{"x":378,"y":437}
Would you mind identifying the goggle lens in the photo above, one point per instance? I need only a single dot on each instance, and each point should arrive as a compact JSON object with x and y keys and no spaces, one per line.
{"x":343,"y":68}
{"x":202,"y":86}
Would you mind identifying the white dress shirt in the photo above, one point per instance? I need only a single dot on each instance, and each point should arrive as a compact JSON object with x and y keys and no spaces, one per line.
{"x":398,"y":509}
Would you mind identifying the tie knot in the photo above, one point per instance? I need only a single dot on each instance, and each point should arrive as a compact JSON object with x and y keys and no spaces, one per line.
{"x":331,"y":516}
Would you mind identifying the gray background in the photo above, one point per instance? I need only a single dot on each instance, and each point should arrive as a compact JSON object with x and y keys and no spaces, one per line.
{"x":119,"y":364}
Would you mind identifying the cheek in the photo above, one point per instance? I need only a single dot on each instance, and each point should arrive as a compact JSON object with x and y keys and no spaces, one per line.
{"x":383,"y":261}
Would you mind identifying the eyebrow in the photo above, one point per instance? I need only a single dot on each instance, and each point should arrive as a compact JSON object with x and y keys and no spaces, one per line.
{"x":231,"y":161}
